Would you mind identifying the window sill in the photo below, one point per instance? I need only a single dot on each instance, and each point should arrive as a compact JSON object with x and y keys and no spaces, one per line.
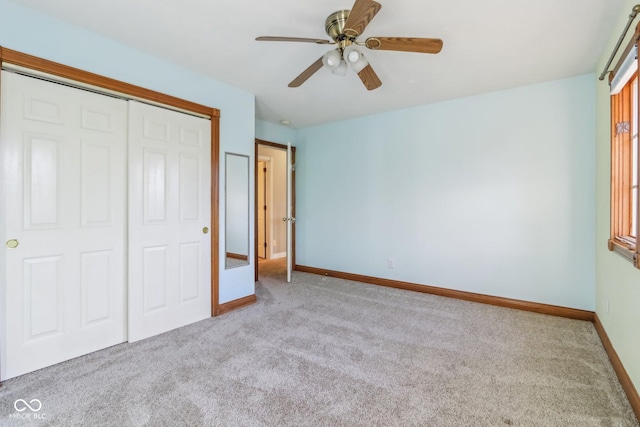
{"x":625,"y":251}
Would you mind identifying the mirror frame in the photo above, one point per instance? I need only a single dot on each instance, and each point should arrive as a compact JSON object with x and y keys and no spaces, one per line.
{"x":237,"y":259}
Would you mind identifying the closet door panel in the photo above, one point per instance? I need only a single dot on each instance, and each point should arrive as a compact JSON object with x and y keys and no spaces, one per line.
{"x":169,"y":208}
{"x":63,"y":207}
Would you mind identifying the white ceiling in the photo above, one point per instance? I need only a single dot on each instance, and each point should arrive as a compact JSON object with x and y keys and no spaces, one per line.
{"x":488,"y":45}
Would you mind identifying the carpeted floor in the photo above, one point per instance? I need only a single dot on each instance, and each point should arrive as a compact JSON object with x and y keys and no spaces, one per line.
{"x":326,"y":352}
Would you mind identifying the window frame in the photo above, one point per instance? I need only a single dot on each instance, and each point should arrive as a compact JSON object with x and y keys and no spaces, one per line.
{"x":623,"y":157}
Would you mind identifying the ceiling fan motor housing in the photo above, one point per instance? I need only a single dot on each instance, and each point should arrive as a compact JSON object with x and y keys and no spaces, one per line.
{"x":334,"y":25}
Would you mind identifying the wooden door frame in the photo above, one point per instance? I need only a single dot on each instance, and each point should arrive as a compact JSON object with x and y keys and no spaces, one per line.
{"x":133,"y":91}
{"x":268,"y":182}
{"x":259,"y":142}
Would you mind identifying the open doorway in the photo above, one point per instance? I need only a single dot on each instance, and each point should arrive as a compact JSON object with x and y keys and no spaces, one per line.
{"x":271,"y":205}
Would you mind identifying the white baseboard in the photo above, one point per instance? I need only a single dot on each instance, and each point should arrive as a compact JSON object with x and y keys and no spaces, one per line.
{"x":279,"y":255}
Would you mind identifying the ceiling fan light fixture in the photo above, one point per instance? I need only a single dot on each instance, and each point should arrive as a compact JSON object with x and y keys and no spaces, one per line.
{"x":341,"y":70}
{"x":351,"y":54}
{"x":355,"y":58}
{"x":332,"y":59}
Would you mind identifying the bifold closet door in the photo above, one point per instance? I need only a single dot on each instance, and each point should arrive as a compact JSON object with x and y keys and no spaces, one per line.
{"x":63,"y":205}
{"x":169,"y":220}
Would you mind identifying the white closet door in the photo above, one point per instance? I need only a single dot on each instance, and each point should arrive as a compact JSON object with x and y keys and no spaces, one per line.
{"x":64,"y":206}
{"x":169,"y":208}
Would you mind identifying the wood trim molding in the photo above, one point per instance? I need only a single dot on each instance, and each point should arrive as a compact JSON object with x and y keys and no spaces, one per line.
{"x":273,"y":144}
{"x":620,"y":249}
{"x":56,"y":69}
{"x":255,"y":216}
{"x":553,"y":310}
{"x":618,"y":367}
{"x":236,"y":304}
{"x":237,"y":256}
{"x":215,"y":215}
{"x":621,"y":203}
{"x":71,"y":73}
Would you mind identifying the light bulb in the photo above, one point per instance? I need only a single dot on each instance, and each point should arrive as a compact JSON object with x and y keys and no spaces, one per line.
{"x":353,"y":56}
{"x":355,"y":59}
{"x":332,"y":59}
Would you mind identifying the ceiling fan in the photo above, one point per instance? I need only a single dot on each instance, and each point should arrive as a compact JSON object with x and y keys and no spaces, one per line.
{"x":344,"y":27}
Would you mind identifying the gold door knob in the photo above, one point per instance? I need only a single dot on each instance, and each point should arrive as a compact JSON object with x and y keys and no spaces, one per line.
{"x":12,"y":244}
{"x":205,"y":230}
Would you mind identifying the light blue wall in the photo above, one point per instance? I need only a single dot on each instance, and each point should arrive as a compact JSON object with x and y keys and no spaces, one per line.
{"x":275,"y":133}
{"x":28,"y":31}
{"x":491,"y":194}
{"x":617,"y":280}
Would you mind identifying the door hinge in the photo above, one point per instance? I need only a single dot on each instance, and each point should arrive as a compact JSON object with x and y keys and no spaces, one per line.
{"x":265,"y":244}
{"x":265,"y":208}
{"x":264,"y":170}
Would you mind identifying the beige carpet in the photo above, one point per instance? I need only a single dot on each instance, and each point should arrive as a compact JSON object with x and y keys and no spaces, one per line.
{"x":326,"y":352}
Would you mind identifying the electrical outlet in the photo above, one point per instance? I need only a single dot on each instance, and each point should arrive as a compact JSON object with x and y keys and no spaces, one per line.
{"x":391,"y":263}
{"x":606,"y":305}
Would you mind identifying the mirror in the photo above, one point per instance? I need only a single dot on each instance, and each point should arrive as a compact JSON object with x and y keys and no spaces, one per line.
{"x":237,"y":210}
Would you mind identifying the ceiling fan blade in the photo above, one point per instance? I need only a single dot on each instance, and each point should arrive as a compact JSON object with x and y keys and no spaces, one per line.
{"x":361,"y":14}
{"x":405,"y":44}
{"x":292,"y":39}
{"x":369,"y":78}
{"x":304,"y":76}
